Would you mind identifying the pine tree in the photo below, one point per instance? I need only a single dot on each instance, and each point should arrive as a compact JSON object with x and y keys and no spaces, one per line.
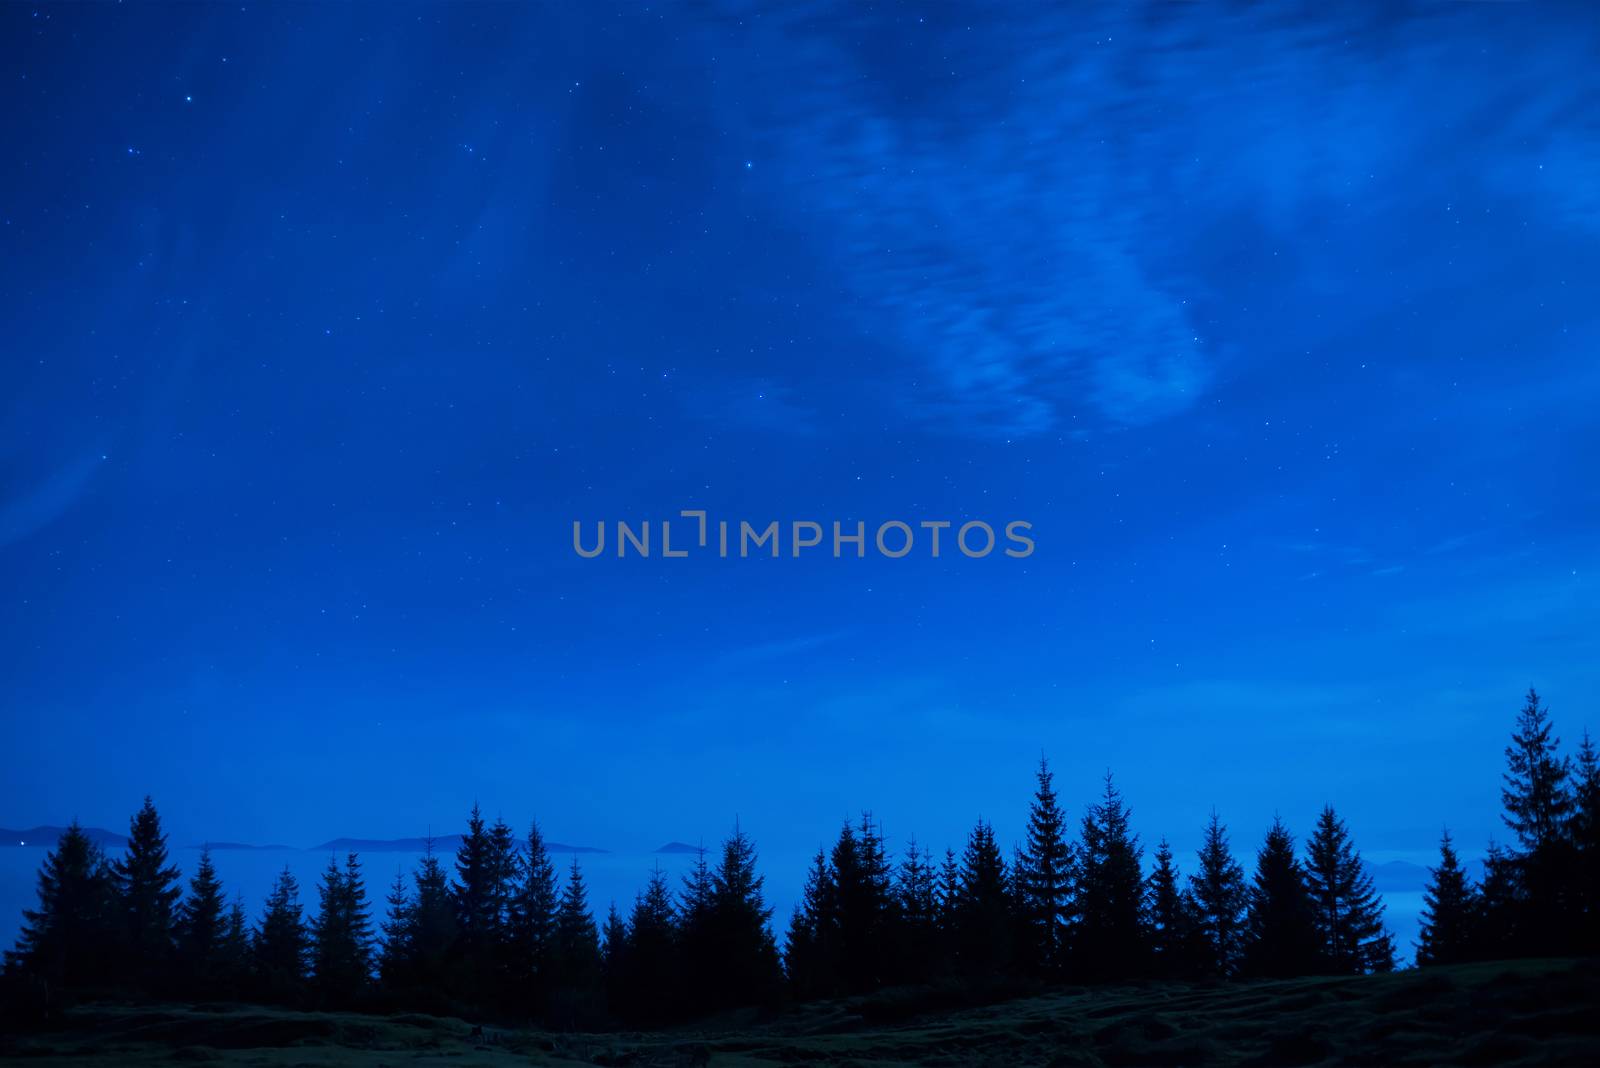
{"x":864,"y":910}
{"x":1281,"y":936}
{"x":1585,"y":835}
{"x":696,"y":935}
{"x":474,"y":893}
{"x":745,"y":969}
{"x":341,"y":935}
{"x":1501,"y":906}
{"x":1170,"y":920}
{"x":398,"y":929}
{"x":201,"y":925}
{"x":279,"y":949}
{"x":810,"y":947}
{"x":1449,"y":912}
{"x":434,"y":931}
{"x":1538,"y":807}
{"x":982,"y":908}
{"x":614,"y":961}
{"x":148,"y":890}
{"x":1044,"y":877}
{"x":917,"y":895}
{"x":231,"y":974}
{"x":575,"y":997}
{"x":1348,"y":911}
{"x":1219,"y":896}
{"x":1109,"y":942}
{"x":1536,"y":796}
{"x":531,"y":934}
{"x":650,"y":994}
{"x":63,"y":941}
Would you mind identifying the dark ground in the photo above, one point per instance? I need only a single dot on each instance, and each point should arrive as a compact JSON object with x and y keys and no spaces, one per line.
{"x":1522,"y":1012}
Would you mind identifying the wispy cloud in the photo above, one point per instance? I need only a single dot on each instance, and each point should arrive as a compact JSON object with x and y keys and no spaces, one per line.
{"x":1014,"y":201}
{"x":33,"y":508}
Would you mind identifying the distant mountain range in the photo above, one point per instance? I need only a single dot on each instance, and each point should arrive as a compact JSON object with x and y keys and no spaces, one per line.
{"x":448,"y":843}
{"x":678,"y":847}
{"x":445,"y":843}
{"x":46,"y":836}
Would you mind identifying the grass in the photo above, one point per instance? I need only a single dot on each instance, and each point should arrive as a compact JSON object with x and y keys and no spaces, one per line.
{"x":1520,"y":1013}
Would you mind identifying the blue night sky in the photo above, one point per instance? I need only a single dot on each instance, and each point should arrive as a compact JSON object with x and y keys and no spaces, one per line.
{"x":319,"y":326}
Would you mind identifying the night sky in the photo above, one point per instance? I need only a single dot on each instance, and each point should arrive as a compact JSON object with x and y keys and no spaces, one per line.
{"x":320,"y":325}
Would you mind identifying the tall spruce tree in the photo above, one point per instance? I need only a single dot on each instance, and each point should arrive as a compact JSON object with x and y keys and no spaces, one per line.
{"x":341,"y":935}
{"x":531,"y":937}
{"x":863,"y":908}
{"x":1170,"y":920}
{"x":201,"y":926}
{"x":1109,"y":942}
{"x":696,"y":934}
{"x":1538,"y":807}
{"x":810,"y":950}
{"x":1501,"y":906}
{"x":614,"y":957}
{"x":1348,"y":911}
{"x":231,"y":975}
{"x":148,"y":890}
{"x":1585,"y":835}
{"x":1448,"y":932}
{"x":475,"y":895}
{"x":64,"y":939}
{"x":745,"y":968}
{"x":1044,"y":881}
{"x":396,"y":950}
{"x":917,"y":894}
{"x":576,"y":995}
{"x":1280,"y":930}
{"x":650,"y":996}
{"x":1536,"y":795}
{"x":982,"y":915}
{"x":280,"y":948}
{"x":1219,"y":896}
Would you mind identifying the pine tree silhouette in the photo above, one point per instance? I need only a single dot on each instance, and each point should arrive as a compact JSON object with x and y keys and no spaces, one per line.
{"x":399,"y":923}
{"x":982,"y":908}
{"x":1538,"y":808}
{"x":1281,"y":937}
{"x":1348,"y":911}
{"x":280,"y":947}
{"x":531,"y":934}
{"x":1219,"y":896}
{"x":1501,"y":905}
{"x":1450,"y":907}
{"x":1535,"y":794}
{"x":64,"y":939}
{"x":614,"y":963}
{"x":148,"y":890}
{"x":200,"y":928}
{"x":810,"y":953}
{"x":917,"y":896}
{"x":475,"y":894}
{"x":575,"y":997}
{"x":1584,"y":832}
{"x":1044,"y":875}
{"x":745,"y":969}
{"x":1171,"y":921}
{"x":341,"y":935}
{"x":650,"y":994}
{"x":1109,"y":941}
{"x":231,"y":971}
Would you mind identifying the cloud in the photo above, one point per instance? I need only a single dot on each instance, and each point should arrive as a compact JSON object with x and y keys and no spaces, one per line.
{"x":1013,"y":205}
{"x":36,"y":508}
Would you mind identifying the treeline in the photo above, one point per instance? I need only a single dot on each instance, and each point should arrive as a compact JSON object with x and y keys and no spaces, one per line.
{"x":498,"y":931}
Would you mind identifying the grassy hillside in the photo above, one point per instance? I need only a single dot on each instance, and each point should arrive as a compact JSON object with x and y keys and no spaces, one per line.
{"x":1527,"y":1012}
